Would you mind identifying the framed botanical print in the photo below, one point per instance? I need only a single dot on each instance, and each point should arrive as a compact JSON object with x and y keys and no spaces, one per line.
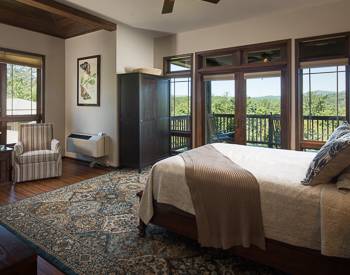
{"x":88,"y":90}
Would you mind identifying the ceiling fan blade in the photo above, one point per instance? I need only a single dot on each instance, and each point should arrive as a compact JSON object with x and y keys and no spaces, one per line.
{"x":168,"y":6}
{"x":212,"y":1}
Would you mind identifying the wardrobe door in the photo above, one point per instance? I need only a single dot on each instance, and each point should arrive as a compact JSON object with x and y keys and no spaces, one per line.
{"x":128,"y":94}
{"x":148,"y":92}
{"x":148,"y":120}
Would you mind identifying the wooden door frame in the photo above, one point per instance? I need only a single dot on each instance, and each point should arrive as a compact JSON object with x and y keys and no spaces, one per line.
{"x":284,"y":67}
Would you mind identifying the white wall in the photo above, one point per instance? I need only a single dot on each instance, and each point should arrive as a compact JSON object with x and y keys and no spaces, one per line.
{"x":134,"y":48}
{"x":53,"y":49}
{"x":324,"y":19}
{"x":93,"y":119}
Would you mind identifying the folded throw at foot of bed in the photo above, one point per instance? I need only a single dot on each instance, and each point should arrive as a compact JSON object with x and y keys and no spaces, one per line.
{"x":226,"y":200}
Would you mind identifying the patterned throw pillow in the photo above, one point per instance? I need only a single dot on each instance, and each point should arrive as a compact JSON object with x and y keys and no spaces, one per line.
{"x":330,"y":161}
{"x":340,"y":131}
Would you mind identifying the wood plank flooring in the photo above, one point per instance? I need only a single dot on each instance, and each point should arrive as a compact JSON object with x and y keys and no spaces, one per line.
{"x":73,"y":171}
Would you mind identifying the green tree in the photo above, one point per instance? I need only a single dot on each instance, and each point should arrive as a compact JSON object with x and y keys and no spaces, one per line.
{"x":22,"y":82}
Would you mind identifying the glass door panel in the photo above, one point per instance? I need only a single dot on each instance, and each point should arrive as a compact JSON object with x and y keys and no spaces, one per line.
{"x":263,"y":109}
{"x":219,"y":108}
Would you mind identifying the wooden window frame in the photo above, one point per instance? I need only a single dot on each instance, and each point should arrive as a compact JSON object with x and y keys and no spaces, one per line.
{"x":284,"y":66}
{"x":181,"y":74}
{"x":40,"y":115}
{"x":300,"y":143}
{"x":185,"y":73}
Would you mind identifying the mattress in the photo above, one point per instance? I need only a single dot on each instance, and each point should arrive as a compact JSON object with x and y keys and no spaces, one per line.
{"x":290,"y":210}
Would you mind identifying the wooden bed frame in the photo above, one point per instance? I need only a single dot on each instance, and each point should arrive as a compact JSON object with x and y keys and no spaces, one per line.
{"x":284,"y":257}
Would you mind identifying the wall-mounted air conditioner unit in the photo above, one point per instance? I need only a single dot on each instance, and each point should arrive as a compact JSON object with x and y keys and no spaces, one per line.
{"x":94,"y":146}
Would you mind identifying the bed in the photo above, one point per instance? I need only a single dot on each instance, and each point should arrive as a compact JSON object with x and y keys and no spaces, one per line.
{"x":291,"y":212}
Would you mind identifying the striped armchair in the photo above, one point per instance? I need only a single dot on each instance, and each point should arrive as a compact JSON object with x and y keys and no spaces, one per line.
{"x":37,"y":155}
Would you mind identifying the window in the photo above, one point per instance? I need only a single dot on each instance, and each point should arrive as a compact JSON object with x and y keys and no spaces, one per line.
{"x":266,"y":56}
{"x":180,"y":90}
{"x":324,"y":104}
{"x":322,"y":89}
{"x":263,"y":125}
{"x":178,"y":64}
{"x":20,"y":92}
{"x":180,"y":103}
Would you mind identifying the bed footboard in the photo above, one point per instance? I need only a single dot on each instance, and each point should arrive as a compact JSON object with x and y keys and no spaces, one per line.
{"x":285,"y":257}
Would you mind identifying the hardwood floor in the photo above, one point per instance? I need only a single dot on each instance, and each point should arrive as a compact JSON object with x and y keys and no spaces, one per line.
{"x":73,"y":171}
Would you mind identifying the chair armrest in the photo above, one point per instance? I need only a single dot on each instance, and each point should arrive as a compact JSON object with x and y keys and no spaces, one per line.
{"x":55,"y":146}
{"x":18,"y":149}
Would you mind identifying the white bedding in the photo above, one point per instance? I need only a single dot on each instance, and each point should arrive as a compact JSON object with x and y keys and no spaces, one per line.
{"x":291,"y":211}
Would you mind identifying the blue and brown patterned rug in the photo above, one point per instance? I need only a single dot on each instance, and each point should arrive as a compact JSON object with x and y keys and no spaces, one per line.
{"x":91,"y":228}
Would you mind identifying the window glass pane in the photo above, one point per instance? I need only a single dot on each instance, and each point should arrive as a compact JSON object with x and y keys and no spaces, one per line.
{"x":220,"y":110}
{"x":21,"y":90}
{"x":264,"y":111}
{"x":265,"y":56}
{"x":219,"y":60}
{"x":12,"y":131}
{"x":323,"y":48}
{"x":324,"y":104}
{"x":180,"y":114}
{"x":180,"y":64}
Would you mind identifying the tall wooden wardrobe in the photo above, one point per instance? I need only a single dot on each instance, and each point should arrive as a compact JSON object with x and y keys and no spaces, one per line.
{"x":144,"y":125}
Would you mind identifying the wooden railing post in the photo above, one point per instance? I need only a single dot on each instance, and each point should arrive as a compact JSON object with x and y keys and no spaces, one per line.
{"x":271,"y":132}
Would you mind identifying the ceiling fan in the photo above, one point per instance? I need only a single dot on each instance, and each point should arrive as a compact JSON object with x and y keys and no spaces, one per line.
{"x":169,"y":5}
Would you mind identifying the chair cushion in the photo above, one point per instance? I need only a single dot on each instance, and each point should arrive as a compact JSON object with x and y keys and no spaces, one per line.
{"x":36,"y":136}
{"x":37,"y":156}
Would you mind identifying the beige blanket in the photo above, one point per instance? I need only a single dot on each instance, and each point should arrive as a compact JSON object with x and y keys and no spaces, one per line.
{"x":335,"y":221}
{"x":226,"y":199}
{"x":292,"y":213}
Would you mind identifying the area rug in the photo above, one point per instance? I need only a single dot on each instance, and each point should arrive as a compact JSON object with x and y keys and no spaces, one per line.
{"x":91,"y":228}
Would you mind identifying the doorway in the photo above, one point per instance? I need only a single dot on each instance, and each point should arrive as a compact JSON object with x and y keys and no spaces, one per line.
{"x":246,"y":99}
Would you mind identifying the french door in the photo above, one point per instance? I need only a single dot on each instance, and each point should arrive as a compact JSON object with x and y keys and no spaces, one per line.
{"x":247,"y":108}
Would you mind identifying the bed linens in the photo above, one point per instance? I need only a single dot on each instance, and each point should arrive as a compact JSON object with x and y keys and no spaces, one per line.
{"x":291,"y":211}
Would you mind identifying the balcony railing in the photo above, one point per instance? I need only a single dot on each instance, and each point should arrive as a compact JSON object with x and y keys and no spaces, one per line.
{"x":262,"y":130}
{"x":319,"y":128}
{"x":180,"y":133}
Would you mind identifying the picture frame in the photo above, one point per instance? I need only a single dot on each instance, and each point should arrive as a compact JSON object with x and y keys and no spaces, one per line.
{"x":88,"y":80}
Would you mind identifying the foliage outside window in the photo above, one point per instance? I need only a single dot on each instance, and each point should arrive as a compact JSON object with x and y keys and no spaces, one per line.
{"x":21,"y":90}
{"x":324,"y":103}
{"x":179,"y":69}
{"x":20,"y":97}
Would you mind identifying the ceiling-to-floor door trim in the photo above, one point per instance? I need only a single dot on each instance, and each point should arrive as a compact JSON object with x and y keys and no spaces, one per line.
{"x":199,"y":103}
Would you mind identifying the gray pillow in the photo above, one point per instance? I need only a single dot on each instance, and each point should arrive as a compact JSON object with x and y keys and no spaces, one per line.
{"x":330,"y":161}
{"x":341,"y":130}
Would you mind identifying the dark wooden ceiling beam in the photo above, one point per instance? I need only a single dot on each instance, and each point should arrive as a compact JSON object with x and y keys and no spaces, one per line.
{"x":70,"y":13}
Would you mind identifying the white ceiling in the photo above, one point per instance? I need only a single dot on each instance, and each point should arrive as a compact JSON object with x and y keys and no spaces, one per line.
{"x":188,"y":14}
